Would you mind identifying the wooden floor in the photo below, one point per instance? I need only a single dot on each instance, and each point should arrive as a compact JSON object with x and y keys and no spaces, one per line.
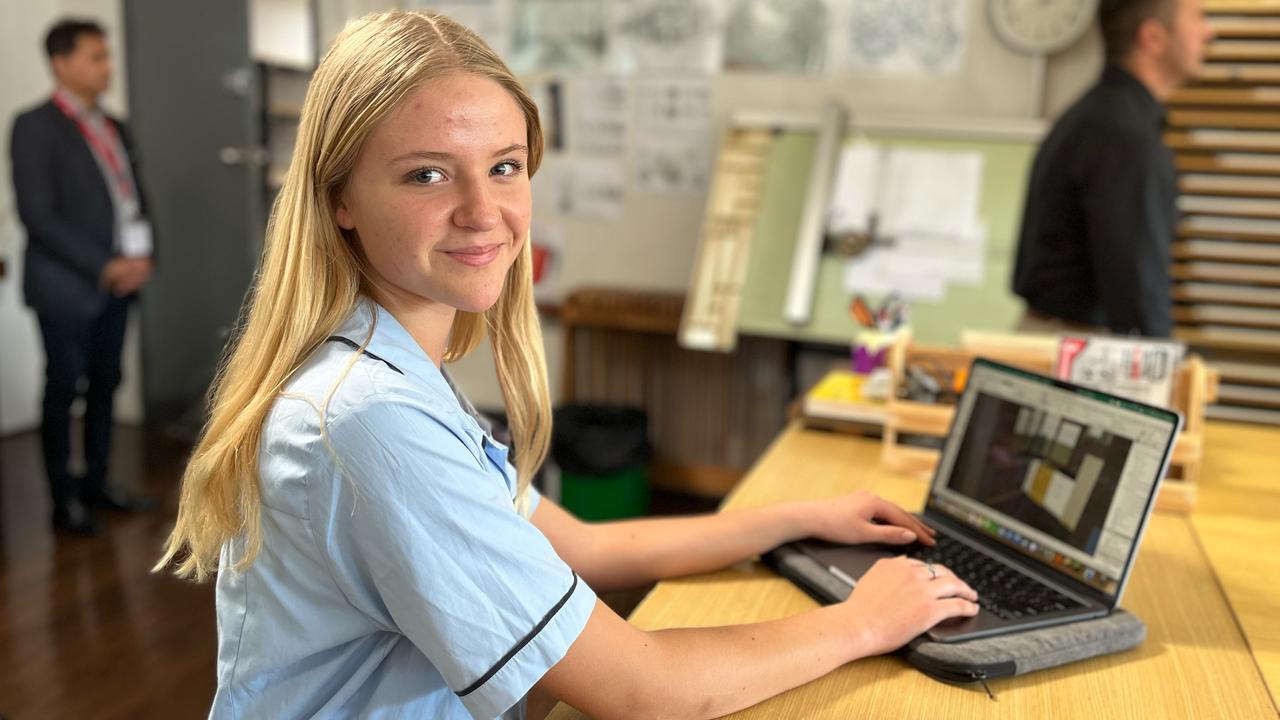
{"x":86,"y":631}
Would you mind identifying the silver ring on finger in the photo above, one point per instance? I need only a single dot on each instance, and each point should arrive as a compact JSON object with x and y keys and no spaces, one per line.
{"x":933,"y":571}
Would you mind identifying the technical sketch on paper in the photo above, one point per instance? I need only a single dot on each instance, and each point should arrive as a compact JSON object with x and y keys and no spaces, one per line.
{"x":904,"y":37}
{"x":558,"y":35}
{"x":666,"y":35}
{"x":776,"y":35}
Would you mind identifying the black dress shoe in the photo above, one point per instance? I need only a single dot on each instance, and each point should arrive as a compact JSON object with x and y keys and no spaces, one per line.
{"x":75,"y":518}
{"x":117,"y":499}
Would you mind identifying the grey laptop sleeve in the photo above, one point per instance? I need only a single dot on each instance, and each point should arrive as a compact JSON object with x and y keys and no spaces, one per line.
{"x":986,"y":658}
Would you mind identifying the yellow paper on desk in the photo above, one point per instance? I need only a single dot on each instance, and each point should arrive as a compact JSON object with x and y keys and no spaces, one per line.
{"x":839,"y":396}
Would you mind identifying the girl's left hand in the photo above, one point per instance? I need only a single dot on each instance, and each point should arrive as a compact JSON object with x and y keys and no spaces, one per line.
{"x":849,"y":520}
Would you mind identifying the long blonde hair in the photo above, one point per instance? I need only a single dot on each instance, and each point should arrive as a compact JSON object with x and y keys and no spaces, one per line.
{"x":312,"y":276}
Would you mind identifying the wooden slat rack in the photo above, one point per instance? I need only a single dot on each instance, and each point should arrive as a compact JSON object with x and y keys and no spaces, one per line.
{"x":1224,"y":130}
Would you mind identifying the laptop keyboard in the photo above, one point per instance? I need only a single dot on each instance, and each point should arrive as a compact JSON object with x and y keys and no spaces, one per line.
{"x":1002,"y":590}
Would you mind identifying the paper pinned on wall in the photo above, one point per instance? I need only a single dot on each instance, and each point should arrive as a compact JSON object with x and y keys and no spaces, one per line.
{"x":925,"y":38}
{"x":671,"y":135}
{"x":588,"y":187}
{"x":666,"y":35}
{"x":666,"y":106}
{"x":785,"y":36}
{"x":548,"y":95}
{"x":557,"y":35}
{"x":677,"y":165}
{"x":599,"y":122}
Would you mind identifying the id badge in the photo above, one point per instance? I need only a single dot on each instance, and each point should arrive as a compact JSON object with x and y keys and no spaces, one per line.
{"x":135,"y":239}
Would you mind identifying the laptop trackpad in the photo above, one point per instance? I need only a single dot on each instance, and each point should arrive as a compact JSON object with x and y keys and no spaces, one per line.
{"x":855,"y":560}
{"x":852,"y":560}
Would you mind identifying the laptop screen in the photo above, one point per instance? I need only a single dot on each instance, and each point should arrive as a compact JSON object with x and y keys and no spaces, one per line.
{"x":1064,"y":475}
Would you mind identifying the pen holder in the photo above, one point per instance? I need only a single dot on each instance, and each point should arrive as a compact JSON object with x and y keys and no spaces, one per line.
{"x":870,"y":349}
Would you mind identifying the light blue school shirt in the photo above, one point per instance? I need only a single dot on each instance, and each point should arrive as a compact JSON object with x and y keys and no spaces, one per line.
{"x":401,"y":582}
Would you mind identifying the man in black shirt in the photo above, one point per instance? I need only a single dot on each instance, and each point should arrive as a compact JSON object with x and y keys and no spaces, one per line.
{"x":1101,"y":209}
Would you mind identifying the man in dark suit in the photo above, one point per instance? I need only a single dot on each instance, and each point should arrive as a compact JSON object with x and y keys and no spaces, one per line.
{"x":88,"y":253}
{"x":1094,"y":254}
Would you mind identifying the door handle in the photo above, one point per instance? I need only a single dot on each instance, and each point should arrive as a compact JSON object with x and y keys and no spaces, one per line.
{"x":248,"y":155}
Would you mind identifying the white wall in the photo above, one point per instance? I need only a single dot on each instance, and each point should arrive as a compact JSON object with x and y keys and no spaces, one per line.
{"x":282,"y":32}
{"x":27,"y":82}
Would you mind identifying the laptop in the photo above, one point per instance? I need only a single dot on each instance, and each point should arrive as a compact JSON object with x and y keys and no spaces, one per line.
{"x":1040,"y":498}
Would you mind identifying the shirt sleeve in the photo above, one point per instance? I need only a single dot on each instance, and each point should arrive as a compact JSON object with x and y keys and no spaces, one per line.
{"x":1130,"y":226}
{"x":424,"y":537}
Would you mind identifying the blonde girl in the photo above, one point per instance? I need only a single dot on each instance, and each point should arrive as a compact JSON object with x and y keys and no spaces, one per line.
{"x":377,"y":553}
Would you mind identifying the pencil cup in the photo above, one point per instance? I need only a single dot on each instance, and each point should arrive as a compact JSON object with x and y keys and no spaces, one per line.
{"x":870,"y":348}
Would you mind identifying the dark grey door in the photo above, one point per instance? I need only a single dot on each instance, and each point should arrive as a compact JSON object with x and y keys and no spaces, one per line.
{"x":193,"y":105}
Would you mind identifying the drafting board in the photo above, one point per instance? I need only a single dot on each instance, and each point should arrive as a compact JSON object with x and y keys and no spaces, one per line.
{"x":783,"y":182}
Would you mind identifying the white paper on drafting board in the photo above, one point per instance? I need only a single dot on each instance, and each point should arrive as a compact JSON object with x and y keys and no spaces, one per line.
{"x":666,"y":35}
{"x":853,"y":195}
{"x":959,"y":259}
{"x":880,"y":271}
{"x":929,"y":192}
{"x":918,"y":267}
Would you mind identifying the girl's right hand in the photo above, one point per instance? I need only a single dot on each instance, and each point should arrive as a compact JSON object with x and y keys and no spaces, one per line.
{"x":899,"y":598}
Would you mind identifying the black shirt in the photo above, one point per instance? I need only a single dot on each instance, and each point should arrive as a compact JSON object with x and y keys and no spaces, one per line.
{"x":1101,"y":213}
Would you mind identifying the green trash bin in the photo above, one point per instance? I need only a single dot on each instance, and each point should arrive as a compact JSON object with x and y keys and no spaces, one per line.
{"x":603,"y":453}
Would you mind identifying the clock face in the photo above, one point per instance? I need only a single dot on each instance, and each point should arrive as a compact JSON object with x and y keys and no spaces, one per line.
{"x":1040,"y":27}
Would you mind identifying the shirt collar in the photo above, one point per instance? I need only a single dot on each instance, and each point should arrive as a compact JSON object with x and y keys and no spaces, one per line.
{"x":1149,"y":106}
{"x":69,"y":99}
{"x":394,"y":344}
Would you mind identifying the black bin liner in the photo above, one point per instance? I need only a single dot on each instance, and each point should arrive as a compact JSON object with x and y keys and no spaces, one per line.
{"x":600,"y":439}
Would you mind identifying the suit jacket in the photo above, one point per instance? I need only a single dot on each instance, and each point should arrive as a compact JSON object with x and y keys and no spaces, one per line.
{"x":64,"y":203}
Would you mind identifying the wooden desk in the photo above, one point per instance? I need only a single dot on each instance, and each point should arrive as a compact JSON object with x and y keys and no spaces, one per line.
{"x":1195,"y":662}
{"x":1238,"y":524}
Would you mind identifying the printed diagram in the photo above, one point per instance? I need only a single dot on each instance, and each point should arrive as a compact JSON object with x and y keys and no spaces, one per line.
{"x":666,"y":35}
{"x":925,"y":37}
{"x":671,"y":150}
{"x":558,"y":35}
{"x":776,"y":35}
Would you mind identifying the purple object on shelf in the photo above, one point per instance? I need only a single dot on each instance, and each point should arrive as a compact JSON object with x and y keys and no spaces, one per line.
{"x":865,"y":360}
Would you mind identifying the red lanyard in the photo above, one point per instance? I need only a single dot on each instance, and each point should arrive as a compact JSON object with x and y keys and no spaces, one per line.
{"x":104,"y":148}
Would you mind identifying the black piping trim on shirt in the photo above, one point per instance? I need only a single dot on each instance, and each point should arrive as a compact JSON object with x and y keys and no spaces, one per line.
{"x":520,"y":645}
{"x":355,"y":346}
